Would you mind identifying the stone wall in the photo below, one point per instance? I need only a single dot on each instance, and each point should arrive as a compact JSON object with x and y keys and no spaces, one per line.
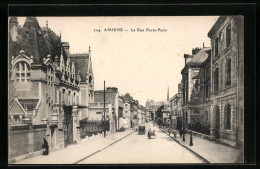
{"x":24,"y":139}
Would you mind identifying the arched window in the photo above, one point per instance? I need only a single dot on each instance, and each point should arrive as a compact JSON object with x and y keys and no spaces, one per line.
{"x":63,"y":96}
{"x":74,"y":98}
{"x":227,"y":117}
{"x":50,"y":75}
{"x":216,"y":79}
{"x":22,"y":72}
{"x":228,"y":72}
{"x":69,"y":98}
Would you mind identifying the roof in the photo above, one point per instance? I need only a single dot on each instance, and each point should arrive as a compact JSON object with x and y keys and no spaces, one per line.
{"x":216,"y":26}
{"x":39,"y":42}
{"x":35,"y":41}
{"x":81,"y":64}
{"x":199,"y":58}
{"x":53,"y":44}
{"x":110,"y":96}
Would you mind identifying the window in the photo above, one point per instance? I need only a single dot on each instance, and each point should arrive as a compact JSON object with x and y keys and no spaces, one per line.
{"x":74,"y":99}
{"x":69,"y":97}
{"x":22,"y":72}
{"x":228,"y":72}
{"x":216,"y":47}
{"x":227,"y":117}
{"x":207,"y":91}
{"x":216,"y":79}
{"x":206,"y":116}
{"x":50,"y":83}
{"x":228,"y":35}
{"x":16,"y":118}
{"x":63,"y":96}
{"x":196,"y":83}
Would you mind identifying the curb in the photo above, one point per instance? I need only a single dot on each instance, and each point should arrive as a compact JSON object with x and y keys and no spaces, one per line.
{"x":103,"y":148}
{"x":202,"y":158}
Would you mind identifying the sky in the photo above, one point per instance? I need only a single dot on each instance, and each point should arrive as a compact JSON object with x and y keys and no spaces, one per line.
{"x":144,"y":63}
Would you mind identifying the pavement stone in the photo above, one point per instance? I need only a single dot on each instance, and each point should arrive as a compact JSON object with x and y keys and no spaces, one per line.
{"x":75,"y":152}
{"x":209,"y":150}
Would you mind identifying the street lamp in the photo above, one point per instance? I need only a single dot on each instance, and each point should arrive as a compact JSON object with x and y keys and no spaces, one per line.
{"x":183,"y":129}
{"x":191,"y":143}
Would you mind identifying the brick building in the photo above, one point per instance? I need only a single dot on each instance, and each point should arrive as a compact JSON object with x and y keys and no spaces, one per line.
{"x":49,"y":88}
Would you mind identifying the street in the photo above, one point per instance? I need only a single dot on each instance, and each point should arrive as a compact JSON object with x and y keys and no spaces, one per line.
{"x":139,"y":149}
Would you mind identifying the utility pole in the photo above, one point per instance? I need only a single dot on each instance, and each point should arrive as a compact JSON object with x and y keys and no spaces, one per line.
{"x":104,"y":109}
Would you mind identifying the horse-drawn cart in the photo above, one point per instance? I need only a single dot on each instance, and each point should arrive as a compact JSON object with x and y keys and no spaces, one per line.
{"x":151,"y":133}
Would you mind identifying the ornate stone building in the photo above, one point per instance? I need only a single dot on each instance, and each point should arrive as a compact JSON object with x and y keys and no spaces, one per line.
{"x":49,"y":88}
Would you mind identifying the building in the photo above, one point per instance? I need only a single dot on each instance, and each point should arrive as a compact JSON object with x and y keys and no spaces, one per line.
{"x":193,"y":107}
{"x":152,"y":107}
{"x":111,"y":97}
{"x":227,"y":76}
{"x":128,"y":109}
{"x":176,"y":109}
{"x":49,"y":88}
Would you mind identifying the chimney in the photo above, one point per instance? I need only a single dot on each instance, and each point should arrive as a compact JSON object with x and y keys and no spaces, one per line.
{"x":185,"y":57}
{"x":13,"y":23}
{"x":113,"y":89}
{"x":203,"y":44}
{"x":195,"y":51}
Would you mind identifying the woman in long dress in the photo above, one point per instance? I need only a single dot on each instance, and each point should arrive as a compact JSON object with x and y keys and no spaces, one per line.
{"x":45,"y":147}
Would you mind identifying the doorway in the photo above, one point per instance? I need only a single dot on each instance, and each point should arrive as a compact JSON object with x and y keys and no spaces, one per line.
{"x":217,"y":113}
{"x":68,"y":125}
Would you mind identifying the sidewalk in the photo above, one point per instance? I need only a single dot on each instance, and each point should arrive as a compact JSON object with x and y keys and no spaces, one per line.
{"x":209,"y":150}
{"x":76,"y":152}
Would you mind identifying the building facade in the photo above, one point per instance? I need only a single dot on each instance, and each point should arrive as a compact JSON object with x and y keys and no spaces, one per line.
{"x":194,"y":107}
{"x":227,"y":75}
{"x":46,"y":95}
{"x":176,"y":109}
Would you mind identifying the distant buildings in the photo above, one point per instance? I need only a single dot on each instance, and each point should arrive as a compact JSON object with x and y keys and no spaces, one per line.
{"x":176,"y":109}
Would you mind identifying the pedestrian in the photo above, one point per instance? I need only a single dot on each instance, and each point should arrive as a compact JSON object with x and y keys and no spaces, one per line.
{"x":169,"y":130}
{"x":45,"y":147}
{"x":180,"y":131}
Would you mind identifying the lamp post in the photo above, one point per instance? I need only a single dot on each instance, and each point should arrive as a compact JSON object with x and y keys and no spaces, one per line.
{"x":183,"y":129}
{"x":191,"y":143}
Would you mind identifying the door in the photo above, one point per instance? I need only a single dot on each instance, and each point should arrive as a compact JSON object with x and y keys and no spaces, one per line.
{"x":217,"y":112}
{"x":68,"y":126}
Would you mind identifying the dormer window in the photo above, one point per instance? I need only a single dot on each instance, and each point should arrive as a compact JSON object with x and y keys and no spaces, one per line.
{"x":22,"y":72}
{"x":50,"y":76}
